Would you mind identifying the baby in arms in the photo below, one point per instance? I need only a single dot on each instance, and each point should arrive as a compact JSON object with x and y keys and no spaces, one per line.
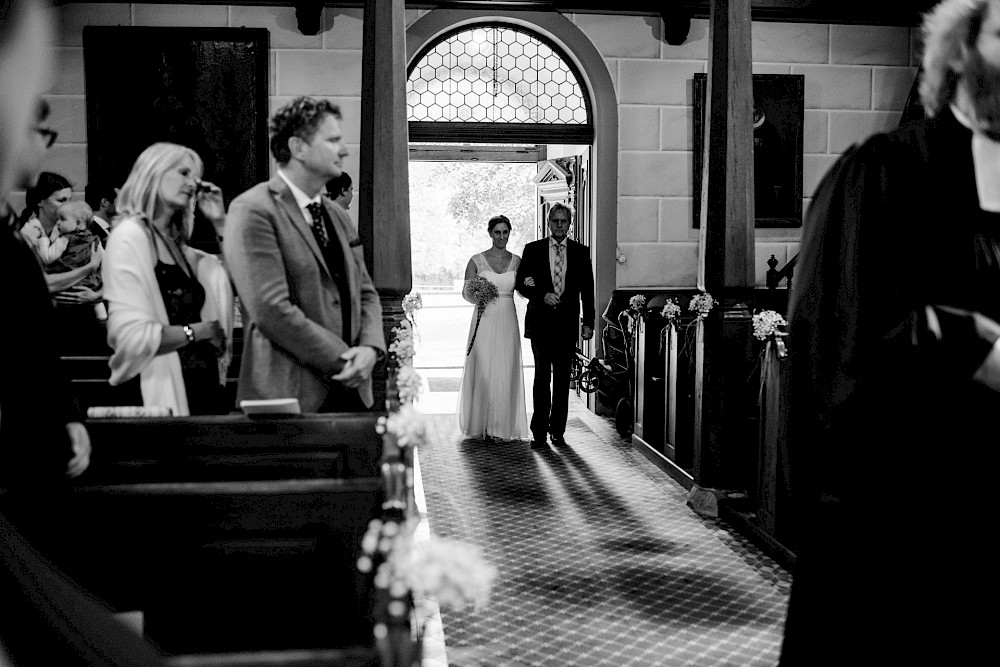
{"x":69,"y":246}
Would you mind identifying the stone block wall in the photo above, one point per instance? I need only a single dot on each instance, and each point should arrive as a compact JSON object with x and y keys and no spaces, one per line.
{"x":857,"y":79}
{"x":856,"y":82}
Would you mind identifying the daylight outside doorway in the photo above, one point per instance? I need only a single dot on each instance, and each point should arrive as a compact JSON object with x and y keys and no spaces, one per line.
{"x":450,"y":204}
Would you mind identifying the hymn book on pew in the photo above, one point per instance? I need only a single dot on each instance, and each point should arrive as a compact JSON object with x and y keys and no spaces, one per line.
{"x":270,"y":407}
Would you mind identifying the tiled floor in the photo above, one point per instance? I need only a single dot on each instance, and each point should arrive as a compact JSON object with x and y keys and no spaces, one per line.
{"x":600,"y":561}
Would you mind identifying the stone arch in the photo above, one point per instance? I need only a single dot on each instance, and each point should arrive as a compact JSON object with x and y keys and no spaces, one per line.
{"x":604,"y":104}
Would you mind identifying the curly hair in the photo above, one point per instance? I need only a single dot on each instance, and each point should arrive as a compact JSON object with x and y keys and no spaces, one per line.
{"x":948,"y":27}
{"x":299,"y":118}
{"x":496,"y":220}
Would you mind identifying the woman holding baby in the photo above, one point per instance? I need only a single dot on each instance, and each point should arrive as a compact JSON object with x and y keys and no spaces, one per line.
{"x":170,"y":305}
{"x":71,"y":260}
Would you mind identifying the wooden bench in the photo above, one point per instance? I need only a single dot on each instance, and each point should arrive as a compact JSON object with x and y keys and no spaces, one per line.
{"x":230,"y":534}
{"x":217,"y":566}
{"x":233,"y":447}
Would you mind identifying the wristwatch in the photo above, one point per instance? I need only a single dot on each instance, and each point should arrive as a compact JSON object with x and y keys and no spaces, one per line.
{"x":189,"y":332}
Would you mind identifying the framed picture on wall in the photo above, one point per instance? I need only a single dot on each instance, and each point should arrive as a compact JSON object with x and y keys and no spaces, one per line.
{"x":778,"y":112}
{"x":205,"y":88}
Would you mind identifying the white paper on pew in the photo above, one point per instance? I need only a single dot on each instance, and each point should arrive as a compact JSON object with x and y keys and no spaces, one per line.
{"x":100,"y":411}
{"x":271,"y":406}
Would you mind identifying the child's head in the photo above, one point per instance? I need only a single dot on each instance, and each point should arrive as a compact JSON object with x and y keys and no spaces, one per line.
{"x":74,"y":216}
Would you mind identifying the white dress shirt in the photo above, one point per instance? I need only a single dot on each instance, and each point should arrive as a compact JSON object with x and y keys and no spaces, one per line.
{"x":986,"y":160}
{"x":301,"y":198}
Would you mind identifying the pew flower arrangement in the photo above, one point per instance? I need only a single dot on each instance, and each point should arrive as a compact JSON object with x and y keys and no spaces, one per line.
{"x":767,"y":323}
{"x":412,"y":302}
{"x":701,"y":304}
{"x":408,"y":425}
{"x":636,"y":308}
{"x":409,"y":384}
{"x":671,"y":311}
{"x":453,"y":573}
{"x":402,"y":345}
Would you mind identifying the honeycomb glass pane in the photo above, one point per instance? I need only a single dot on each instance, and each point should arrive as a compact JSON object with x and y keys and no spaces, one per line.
{"x":494,"y":74}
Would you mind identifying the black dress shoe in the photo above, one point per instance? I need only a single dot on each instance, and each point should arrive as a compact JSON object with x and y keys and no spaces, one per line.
{"x":537,"y":444}
{"x":558,"y":440}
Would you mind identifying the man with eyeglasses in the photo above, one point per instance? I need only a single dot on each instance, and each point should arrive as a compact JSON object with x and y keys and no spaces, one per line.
{"x":35,"y":393}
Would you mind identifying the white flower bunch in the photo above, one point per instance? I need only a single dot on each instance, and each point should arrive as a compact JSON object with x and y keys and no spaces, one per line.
{"x":701,"y":304}
{"x":408,"y":384}
{"x":452,"y":572}
{"x":408,"y":424}
{"x":412,"y":302}
{"x":637,"y":302}
{"x":402,"y":346}
{"x":671,"y":310}
{"x":766,"y":323}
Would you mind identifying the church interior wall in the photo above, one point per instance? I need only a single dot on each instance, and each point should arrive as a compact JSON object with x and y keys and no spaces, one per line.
{"x":856,"y":82}
{"x":857,"y":79}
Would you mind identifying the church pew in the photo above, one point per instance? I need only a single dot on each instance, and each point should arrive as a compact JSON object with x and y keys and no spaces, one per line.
{"x":231,"y":447}
{"x":357,"y":657}
{"x":217,"y":566}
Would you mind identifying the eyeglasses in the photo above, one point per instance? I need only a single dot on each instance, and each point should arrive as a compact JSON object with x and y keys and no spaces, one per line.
{"x":48,"y":135}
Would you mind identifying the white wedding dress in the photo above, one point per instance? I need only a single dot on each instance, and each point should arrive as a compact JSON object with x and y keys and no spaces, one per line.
{"x":491,"y":399}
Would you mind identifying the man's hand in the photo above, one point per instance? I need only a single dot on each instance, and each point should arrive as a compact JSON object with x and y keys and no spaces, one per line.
{"x":360,"y":362}
{"x":551,"y":299}
{"x":587,"y":333}
{"x":529,"y":281}
{"x":80,"y":441}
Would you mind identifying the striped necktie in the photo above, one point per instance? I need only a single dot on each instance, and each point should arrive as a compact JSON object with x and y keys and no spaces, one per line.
{"x":560,"y":278}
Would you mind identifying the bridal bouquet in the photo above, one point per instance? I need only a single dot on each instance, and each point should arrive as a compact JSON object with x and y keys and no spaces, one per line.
{"x":482,"y":292}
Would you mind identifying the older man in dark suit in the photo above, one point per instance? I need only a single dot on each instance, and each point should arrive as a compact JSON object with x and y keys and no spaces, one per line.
{"x":556,"y":277}
{"x":313,"y":323}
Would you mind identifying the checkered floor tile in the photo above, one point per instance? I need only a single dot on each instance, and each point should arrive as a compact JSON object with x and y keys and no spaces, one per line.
{"x":600,"y":561}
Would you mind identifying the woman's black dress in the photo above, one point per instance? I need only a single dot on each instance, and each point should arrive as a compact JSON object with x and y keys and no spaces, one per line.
{"x":183,"y":297}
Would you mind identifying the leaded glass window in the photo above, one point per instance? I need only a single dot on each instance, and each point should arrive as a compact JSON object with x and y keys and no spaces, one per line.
{"x":495,"y":74}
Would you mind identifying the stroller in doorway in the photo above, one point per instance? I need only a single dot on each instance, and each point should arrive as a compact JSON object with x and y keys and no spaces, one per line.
{"x":611,"y":377}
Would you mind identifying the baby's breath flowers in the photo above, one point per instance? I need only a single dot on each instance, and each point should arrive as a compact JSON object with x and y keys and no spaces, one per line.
{"x":766,"y":323}
{"x":409,"y":384}
{"x":412,"y":302}
{"x":402,"y":346}
{"x":637,"y":302}
{"x":408,"y":425}
{"x":701,"y":304}
{"x":671,"y":310}
{"x":453,"y":573}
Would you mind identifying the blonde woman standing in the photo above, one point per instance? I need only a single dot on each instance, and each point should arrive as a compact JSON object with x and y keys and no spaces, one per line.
{"x":170,"y":305}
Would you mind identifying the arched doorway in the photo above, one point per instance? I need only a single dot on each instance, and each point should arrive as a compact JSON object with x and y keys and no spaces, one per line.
{"x":600,"y":101}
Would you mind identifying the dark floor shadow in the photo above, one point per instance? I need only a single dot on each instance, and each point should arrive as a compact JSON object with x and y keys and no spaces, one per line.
{"x":592,"y":496}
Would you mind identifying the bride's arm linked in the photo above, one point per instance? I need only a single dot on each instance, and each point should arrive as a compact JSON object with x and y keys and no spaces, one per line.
{"x":470,"y":273}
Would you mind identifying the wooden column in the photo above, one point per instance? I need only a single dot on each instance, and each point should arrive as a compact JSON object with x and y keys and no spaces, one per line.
{"x":726,"y":252}
{"x":384,"y":207}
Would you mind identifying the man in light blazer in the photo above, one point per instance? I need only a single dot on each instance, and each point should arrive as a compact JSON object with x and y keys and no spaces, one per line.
{"x":556,"y":277}
{"x":312,"y":318}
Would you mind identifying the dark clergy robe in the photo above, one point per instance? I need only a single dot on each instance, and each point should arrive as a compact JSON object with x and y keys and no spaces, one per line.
{"x":891,"y":446}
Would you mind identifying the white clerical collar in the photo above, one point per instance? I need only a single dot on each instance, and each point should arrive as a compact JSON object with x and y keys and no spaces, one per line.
{"x":301,"y":198}
{"x":986,"y":161}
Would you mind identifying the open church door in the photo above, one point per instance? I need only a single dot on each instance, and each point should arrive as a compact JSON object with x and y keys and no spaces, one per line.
{"x":566,"y":180}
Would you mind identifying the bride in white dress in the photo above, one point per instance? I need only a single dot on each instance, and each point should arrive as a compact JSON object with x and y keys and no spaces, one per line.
{"x":491,"y":399}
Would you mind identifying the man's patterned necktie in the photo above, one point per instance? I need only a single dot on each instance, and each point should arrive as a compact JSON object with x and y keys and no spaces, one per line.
{"x":318,"y":226}
{"x":560,"y":269}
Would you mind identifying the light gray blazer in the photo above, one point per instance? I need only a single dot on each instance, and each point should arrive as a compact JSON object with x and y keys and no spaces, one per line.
{"x":292,"y":326}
